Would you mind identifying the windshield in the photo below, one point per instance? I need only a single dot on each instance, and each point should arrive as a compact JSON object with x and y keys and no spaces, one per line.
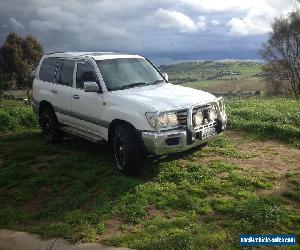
{"x":125,"y":73}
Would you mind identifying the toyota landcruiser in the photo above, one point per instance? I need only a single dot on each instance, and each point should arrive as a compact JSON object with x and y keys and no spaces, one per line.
{"x":125,"y":100}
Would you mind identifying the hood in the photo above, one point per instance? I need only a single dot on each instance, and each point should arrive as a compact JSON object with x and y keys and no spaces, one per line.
{"x":164,"y":97}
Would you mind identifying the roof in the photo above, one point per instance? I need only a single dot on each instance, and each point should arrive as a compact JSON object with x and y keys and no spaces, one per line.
{"x":95,"y":55}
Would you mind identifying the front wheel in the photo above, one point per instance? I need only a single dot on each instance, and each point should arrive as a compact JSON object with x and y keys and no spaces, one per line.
{"x":127,"y":149}
{"x":50,"y":126}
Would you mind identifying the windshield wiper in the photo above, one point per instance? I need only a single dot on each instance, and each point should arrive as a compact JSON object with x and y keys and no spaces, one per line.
{"x":131,"y":85}
{"x":157,"y":81}
{"x":136,"y":84}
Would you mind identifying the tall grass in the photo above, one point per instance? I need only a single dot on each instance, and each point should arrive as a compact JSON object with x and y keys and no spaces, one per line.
{"x":277,"y":118}
{"x":14,"y":118}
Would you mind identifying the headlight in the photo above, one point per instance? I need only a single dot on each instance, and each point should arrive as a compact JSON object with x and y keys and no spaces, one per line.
{"x":166,"y":119}
{"x":198,"y":118}
{"x":212,"y":114}
{"x":163,"y":120}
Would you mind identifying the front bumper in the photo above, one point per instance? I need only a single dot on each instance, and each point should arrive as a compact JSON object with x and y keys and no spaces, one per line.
{"x":166,"y":142}
{"x":155,"y":142}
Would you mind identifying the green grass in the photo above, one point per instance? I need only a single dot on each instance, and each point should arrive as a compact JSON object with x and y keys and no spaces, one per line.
{"x":276,"y":118}
{"x":294,"y":182}
{"x":73,"y":190}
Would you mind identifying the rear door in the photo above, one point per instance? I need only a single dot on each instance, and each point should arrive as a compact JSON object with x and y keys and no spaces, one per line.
{"x":87,"y":107}
{"x":43,"y":83}
{"x":62,"y":89}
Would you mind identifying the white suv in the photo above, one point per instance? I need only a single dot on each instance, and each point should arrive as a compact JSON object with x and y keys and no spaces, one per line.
{"x":125,"y":100}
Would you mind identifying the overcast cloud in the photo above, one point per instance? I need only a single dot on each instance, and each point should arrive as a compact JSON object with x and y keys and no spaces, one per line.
{"x":177,"y":29}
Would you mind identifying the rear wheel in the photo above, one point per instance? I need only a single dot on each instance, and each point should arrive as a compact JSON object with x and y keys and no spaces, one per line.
{"x":127,"y":149}
{"x":50,"y":126}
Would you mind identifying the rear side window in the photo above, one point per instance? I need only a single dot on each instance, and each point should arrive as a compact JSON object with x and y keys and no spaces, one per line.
{"x":47,"y":70}
{"x":64,"y":73}
{"x":85,"y":73}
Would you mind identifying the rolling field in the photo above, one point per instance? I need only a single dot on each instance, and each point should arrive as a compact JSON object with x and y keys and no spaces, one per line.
{"x":252,"y":84}
{"x":217,"y":76}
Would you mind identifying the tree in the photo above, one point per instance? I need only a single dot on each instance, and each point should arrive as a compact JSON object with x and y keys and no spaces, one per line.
{"x":18,"y":58}
{"x":282,"y":55}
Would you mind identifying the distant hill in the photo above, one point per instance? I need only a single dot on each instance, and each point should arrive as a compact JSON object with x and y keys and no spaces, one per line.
{"x":217,"y":76}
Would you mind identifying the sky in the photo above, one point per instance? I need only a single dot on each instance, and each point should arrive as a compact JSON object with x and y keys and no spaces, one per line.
{"x":163,"y":30}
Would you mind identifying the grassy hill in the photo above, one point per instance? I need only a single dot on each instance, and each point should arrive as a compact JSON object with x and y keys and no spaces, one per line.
{"x":214,"y":76}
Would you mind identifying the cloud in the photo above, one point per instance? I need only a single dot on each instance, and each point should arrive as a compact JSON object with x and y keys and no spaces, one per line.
{"x":14,"y":24}
{"x":255,"y":22}
{"x":259,"y":18}
{"x":201,"y":23}
{"x":53,"y":18}
{"x":218,"y":6}
{"x":170,"y":19}
{"x":160,"y":28}
{"x":215,"y":22}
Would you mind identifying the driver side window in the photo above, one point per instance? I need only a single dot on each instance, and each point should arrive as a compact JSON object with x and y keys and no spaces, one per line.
{"x":85,"y":73}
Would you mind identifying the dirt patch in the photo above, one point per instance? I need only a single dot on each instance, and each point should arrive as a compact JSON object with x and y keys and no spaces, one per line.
{"x":42,"y":162}
{"x":113,"y":228}
{"x":153,"y":212}
{"x":4,"y":133}
{"x":46,"y":158}
{"x":88,"y":205}
{"x":38,"y":201}
{"x":268,"y":158}
{"x":38,"y":166}
{"x":279,"y":188}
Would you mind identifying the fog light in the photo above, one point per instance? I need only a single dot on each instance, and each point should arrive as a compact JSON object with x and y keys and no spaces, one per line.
{"x":212,"y":114}
{"x":198,"y":118}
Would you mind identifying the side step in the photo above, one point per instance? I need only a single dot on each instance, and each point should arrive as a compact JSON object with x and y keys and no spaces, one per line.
{"x":82,"y":133}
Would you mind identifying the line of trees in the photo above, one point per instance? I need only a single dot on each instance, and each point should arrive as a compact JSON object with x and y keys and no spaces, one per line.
{"x":19,"y":57}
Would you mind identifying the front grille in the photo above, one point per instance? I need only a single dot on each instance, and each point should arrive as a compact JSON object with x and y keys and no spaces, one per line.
{"x":207,"y":125}
{"x":182,"y":117}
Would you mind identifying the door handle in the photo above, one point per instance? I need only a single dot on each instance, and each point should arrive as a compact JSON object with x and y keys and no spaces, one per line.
{"x":76,"y":96}
{"x":54,"y":91}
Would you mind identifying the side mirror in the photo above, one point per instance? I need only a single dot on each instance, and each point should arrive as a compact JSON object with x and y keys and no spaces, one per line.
{"x":91,"y":87}
{"x":165,"y":75}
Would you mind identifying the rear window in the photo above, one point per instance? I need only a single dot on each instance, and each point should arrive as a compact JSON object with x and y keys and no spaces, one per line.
{"x":65,"y":70}
{"x":47,"y":70}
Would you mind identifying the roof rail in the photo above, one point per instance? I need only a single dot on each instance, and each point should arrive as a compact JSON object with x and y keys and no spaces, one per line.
{"x":54,"y":52}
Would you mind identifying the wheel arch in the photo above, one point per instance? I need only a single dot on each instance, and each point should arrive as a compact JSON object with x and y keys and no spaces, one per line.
{"x":117,"y":122}
{"x":45,"y":104}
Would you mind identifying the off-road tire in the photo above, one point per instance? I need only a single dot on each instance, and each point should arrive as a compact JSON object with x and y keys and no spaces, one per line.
{"x":50,"y":125}
{"x":127,"y":149}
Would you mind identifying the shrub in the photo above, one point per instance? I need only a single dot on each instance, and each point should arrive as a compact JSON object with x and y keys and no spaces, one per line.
{"x":17,"y":118}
